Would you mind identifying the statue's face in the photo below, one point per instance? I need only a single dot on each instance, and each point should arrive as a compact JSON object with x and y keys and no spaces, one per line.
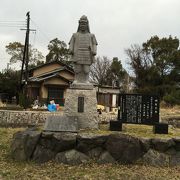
{"x":83,"y":26}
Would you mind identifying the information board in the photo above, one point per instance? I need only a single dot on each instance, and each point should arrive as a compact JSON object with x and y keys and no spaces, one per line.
{"x":138,"y":109}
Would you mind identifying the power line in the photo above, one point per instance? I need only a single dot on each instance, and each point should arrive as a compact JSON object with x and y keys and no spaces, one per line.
{"x":12,"y":26}
{"x":42,"y":33}
{"x":16,"y":24}
{"x":12,"y":21}
{"x":34,"y":39}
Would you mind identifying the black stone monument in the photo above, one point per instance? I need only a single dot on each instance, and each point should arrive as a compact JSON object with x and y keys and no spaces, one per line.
{"x":139,"y":109}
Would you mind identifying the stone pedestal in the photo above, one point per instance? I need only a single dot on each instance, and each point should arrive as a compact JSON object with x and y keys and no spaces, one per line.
{"x":84,"y":86}
{"x":82,"y":104}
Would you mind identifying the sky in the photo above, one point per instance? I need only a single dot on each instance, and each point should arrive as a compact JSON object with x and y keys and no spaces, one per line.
{"x":117,"y":24}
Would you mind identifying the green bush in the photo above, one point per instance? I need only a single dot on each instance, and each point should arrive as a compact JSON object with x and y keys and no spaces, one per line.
{"x":173,"y":98}
{"x":23,"y":101}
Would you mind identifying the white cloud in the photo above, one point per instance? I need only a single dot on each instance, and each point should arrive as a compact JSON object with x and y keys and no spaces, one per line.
{"x":117,"y":23}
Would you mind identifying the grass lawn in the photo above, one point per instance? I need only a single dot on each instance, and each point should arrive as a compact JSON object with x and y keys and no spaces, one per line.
{"x":29,"y":170}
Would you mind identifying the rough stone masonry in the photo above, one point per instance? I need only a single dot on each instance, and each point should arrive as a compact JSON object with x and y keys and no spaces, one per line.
{"x":77,"y":148}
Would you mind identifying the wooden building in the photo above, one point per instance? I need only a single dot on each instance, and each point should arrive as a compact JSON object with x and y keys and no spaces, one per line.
{"x":107,"y":96}
{"x":49,"y":82}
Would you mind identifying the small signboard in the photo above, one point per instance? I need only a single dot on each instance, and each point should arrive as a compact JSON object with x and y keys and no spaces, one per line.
{"x":80,"y":104}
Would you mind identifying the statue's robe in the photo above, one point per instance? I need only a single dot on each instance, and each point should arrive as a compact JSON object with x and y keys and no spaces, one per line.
{"x":83,"y":47}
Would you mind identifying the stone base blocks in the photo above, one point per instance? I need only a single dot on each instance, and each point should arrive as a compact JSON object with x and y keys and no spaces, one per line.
{"x":82,"y":104}
{"x":76,"y":148}
{"x":115,"y":126}
{"x":160,"y":128}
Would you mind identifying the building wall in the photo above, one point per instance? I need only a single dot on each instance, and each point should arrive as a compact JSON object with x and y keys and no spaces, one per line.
{"x":114,"y":100}
{"x":52,"y":82}
{"x":43,"y":91}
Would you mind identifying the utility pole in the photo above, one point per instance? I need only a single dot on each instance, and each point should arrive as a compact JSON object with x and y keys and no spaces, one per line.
{"x":25,"y":62}
{"x":27,"y":48}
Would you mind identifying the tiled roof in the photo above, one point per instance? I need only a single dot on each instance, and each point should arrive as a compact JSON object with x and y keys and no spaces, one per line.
{"x":48,"y":75}
{"x":52,"y":62}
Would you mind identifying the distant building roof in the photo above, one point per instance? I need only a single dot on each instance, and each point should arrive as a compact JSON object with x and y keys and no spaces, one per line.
{"x":52,"y":62}
{"x":50,"y":74}
{"x":39,"y":79}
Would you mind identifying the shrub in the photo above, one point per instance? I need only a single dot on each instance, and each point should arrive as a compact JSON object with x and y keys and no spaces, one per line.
{"x":23,"y":102}
{"x":173,"y":98}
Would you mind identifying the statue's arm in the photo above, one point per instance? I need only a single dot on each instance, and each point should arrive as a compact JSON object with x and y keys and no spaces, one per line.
{"x":71,"y":45}
{"x":94,"y":45}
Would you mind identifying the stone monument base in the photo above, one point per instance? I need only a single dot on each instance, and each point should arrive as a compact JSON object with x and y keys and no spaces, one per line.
{"x":82,"y":104}
{"x":59,"y":123}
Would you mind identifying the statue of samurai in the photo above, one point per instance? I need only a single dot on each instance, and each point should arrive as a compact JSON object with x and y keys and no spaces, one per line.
{"x":82,"y":46}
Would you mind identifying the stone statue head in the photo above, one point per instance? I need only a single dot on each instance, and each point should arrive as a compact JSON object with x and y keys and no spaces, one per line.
{"x":83,"y":24}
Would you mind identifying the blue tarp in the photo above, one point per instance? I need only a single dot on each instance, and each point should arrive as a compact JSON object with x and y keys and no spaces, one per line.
{"x":52,"y":107}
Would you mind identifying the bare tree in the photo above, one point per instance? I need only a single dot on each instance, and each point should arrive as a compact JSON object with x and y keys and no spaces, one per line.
{"x":99,"y":70}
{"x":139,"y":58}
